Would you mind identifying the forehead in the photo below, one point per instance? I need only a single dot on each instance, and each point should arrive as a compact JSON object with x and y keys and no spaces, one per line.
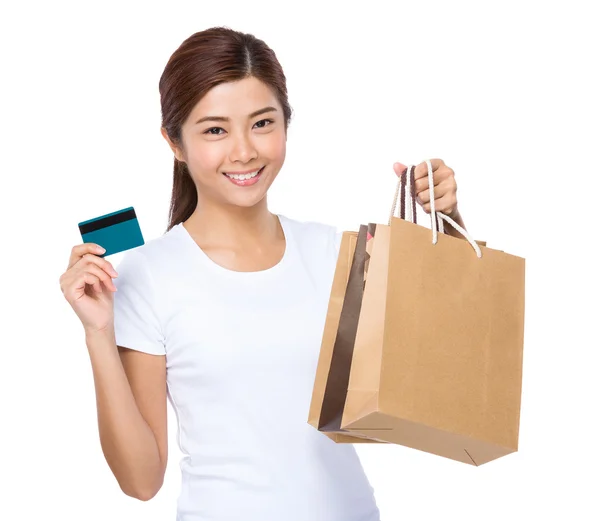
{"x":235,"y":99}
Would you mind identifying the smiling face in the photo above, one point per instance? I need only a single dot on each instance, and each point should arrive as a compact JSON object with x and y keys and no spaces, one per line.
{"x":236,"y":128}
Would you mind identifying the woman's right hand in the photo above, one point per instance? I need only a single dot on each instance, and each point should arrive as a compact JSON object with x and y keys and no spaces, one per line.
{"x":88,"y":287}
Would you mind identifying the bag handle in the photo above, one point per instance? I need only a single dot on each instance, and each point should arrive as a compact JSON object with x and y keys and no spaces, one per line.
{"x":436,"y":217}
{"x":401,"y":190}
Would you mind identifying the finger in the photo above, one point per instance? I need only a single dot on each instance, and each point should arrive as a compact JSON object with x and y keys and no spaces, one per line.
{"x":445,"y":186}
{"x":421,"y":168}
{"x":80,"y":250}
{"x":100,"y":268}
{"x":399,"y":168}
{"x":89,"y":279}
{"x":425,"y":197}
{"x":442,"y":173}
{"x":101,"y":277}
{"x":446,"y":205}
{"x":82,"y":264}
{"x":92,"y":280}
{"x":423,"y":184}
{"x":83,"y":283}
{"x":102,"y":263}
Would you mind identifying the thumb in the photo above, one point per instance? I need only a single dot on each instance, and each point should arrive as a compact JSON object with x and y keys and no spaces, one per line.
{"x":399,"y":168}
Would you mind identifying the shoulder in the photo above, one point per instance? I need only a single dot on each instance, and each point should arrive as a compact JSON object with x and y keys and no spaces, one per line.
{"x":154,"y":253}
{"x":310,"y":230}
{"x":314,"y":236}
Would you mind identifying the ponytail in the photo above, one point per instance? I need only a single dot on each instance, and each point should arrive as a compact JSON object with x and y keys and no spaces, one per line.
{"x":184,"y":196}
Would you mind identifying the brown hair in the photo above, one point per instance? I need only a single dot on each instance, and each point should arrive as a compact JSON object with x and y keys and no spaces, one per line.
{"x":203,"y":61}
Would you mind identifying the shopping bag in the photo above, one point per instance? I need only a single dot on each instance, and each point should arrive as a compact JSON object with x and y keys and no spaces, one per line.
{"x":333,"y":367}
{"x":331,"y":382}
{"x":437,"y":355}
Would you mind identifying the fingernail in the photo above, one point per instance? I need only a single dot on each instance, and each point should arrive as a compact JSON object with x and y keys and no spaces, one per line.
{"x":100,"y":249}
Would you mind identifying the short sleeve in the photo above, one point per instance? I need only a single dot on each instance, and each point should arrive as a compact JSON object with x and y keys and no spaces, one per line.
{"x":338,"y":242}
{"x":137,"y":324}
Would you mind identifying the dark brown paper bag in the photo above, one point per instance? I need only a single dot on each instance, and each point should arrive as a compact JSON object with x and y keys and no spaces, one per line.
{"x":333,"y":367}
{"x":437,"y":355}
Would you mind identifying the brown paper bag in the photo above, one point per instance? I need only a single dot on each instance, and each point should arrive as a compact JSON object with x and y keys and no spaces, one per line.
{"x":333,"y":367}
{"x":437,"y":357}
{"x":331,"y":383}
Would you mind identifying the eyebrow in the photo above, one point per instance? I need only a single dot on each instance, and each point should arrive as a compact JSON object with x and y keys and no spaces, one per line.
{"x":221,"y":118}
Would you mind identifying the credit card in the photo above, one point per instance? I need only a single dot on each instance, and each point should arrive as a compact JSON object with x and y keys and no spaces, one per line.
{"x":115,"y":232}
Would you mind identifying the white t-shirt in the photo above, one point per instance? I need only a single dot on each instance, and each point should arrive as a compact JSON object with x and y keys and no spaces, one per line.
{"x":242,"y":351}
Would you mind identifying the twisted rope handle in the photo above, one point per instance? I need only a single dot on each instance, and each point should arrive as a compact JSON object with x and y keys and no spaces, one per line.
{"x":401,"y":189}
{"x":436,"y":217}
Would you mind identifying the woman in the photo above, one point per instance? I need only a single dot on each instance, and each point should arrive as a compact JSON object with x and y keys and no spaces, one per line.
{"x":223,"y":314}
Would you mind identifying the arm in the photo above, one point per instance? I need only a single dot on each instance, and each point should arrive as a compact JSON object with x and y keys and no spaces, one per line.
{"x":131,"y":401}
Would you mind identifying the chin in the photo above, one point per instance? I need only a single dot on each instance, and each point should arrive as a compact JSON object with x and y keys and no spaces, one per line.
{"x":247,"y":197}
{"x":246,"y":202}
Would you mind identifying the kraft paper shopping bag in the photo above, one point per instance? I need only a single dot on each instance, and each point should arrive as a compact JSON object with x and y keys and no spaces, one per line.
{"x":437,"y":355}
{"x":348,"y":257}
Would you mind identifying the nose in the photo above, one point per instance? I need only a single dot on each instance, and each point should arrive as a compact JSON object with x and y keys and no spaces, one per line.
{"x":243,"y":149}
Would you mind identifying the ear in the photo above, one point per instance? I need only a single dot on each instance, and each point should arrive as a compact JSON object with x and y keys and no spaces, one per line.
{"x":176,"y":149}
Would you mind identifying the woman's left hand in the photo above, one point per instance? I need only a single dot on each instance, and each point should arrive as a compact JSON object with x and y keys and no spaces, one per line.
{"x":444,"y":187}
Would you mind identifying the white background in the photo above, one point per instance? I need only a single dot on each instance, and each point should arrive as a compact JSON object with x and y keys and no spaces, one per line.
{"x":505,"y":93}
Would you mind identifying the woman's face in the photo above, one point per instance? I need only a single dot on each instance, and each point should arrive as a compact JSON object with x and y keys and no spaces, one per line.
{"x":225,"y":134}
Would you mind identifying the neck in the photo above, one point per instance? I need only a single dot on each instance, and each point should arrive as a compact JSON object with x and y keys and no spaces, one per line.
{"x":229,"y":225}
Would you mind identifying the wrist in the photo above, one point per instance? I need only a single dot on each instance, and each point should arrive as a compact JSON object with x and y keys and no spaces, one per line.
{"x":455,"y":214}
{"x":107,"y":332}
{"x":457,"y":218}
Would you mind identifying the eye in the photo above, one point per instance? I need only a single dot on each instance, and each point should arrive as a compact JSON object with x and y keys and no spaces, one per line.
{"x":269,"y":121}
{"x":209,"y":131}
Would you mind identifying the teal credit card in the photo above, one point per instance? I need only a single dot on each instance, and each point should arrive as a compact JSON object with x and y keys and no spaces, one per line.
{"x":115,"y":232}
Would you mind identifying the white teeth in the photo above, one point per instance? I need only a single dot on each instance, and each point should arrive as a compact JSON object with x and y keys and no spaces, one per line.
{"x":243,"y":176}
